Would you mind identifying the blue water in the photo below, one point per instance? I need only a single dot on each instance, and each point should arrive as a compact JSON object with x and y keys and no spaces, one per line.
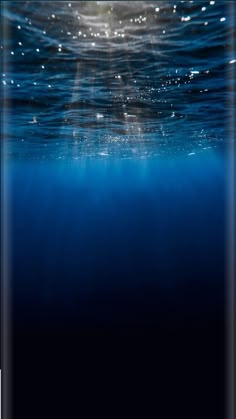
{"x":116,"y":155}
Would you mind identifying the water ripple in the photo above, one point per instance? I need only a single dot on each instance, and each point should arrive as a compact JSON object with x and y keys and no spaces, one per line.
{"x":124,"y":79}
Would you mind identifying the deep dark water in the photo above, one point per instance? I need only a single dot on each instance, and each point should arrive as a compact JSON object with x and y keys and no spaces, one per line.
{"x":119,"y":285}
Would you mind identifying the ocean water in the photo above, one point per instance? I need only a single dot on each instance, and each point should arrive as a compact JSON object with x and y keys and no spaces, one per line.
{"x":116,"y":171}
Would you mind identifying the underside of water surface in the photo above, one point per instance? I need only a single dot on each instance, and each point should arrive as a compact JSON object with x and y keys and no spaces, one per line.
{"x":116,"y":79}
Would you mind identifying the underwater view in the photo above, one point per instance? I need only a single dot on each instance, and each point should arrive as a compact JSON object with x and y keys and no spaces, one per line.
{"x":117,"y":143}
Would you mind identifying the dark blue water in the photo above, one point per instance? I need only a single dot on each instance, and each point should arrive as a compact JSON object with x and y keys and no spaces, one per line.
{"x":116,"y":171}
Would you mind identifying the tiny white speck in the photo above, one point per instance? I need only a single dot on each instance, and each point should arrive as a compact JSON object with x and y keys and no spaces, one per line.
{"x":22,"y":53}
{"x":18,"y":27}
{"x":19,"y":43}
{"x":34,"y":120}
{"x":203,"y":9}
{"x":49,"y":86}
{"x":12,"y":53}
{"x":59,"y":49}
{"x":191,"y":154}
{"x":212,"y":3}
{"x":35,"y":83}
{"x":53,"y":16}
{"x":157,"y":9}
{"x":42,"y":66}
{"x":18,"y":85}
{"x":185,"y":19}
{"x":164,"y":31}
{"x":99,"y":115}
{"x":223,"y":19}
{"x":37,"y":49}
{"x":232,"y":62}
{"x":69,"y":4}
{"x":205,"y":23}
{"x":194,"y":72}
{"x":4,"y":82}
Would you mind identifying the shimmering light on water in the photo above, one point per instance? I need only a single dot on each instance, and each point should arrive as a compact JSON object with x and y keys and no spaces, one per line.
{"x":124,"y":75}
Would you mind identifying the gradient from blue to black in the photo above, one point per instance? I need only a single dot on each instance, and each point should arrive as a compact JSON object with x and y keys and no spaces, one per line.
{"x":117,"y":228}
{"x":118,"y":283}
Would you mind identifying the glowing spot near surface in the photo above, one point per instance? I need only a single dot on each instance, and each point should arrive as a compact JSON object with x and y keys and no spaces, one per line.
{"x":34,"y":120}
{"x":185,"y":19}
